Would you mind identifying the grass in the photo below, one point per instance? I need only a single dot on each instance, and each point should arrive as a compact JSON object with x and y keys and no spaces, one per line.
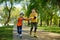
{"x":6,"y":33}
{"x":50,"y":29}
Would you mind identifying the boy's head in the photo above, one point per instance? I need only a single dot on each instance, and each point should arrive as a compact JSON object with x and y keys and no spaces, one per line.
{"x":21,"y":14}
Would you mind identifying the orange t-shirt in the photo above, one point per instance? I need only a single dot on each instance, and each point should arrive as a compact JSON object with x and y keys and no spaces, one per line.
{"x":19,"y":21}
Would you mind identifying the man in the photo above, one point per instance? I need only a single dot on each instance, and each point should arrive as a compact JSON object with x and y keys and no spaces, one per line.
{"x":33,"y":17}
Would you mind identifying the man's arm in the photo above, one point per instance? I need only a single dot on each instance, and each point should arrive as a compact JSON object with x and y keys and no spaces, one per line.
{"x":35,"y":16}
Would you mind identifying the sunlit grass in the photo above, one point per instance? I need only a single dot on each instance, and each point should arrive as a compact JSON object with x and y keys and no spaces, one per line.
{"x":50,"y":29}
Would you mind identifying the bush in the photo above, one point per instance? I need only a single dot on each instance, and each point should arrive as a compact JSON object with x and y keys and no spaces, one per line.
{"x":6,"y":33}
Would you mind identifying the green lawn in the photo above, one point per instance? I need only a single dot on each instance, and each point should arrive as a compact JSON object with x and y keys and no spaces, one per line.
{"x":6,"y":33}
{"x":50,"y":29}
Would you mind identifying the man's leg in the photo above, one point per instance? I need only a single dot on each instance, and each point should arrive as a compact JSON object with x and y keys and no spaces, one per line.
{"x":31,"y":29}
{"x":35,"y":25}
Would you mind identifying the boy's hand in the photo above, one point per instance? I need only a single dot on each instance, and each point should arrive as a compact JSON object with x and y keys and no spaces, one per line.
{"x":30,"y":18}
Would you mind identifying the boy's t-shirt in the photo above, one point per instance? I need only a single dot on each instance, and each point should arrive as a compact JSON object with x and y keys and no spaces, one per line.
{"x":19,"y":21}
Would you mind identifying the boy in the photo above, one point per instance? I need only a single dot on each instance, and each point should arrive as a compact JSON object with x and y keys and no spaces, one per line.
{"x":19,"y":24}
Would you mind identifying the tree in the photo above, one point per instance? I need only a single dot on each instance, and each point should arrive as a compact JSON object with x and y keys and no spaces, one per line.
{"x":39,"y":6}
{"x":45,"y":8}
{"x":9,"y":8}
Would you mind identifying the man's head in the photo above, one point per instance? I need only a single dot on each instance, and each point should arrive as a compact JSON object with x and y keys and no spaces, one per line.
{"x":33,"y":11}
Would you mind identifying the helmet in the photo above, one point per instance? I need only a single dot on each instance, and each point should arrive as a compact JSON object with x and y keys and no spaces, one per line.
{"x":22,"y":13}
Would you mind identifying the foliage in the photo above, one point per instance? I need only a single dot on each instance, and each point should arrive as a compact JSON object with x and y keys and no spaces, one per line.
{"x":53,"y":29}
{"x":45,"y":8}
{"x":6,"y":33}
{"x":8,"y":9}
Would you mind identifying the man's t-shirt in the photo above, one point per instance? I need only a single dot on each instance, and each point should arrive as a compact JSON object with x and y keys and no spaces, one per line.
{"x":32,"y":15}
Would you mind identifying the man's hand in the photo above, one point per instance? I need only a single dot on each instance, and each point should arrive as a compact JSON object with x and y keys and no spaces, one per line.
{"x":34,"y":17}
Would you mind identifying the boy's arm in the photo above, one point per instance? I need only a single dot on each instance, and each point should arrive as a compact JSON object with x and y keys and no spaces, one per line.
{"x":26,"y":19}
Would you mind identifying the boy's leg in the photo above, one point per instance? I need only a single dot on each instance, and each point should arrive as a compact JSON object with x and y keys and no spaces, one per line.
{"x":20,"y":31}
{"x":31,"y":29}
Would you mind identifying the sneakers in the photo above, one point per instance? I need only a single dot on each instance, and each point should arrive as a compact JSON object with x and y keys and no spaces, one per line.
{"x":20,"y":35}
{"x":35,"y":35}
{"x":17,"y":35}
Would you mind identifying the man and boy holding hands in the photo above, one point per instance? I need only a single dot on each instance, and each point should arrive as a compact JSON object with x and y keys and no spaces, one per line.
{"x":32,"y":18}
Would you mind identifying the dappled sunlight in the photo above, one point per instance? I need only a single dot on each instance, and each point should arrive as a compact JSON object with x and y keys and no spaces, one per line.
{"x":42,"y":16}
{"x":8,"y":28}
{"x":54,"y":34}
{"x":1,"y":25}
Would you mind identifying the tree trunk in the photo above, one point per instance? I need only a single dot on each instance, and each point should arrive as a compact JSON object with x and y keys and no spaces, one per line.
{"x":51,"y":22}
{"x":41,"y":22}
{"x":9,"y":11}
{"x":47,"y":22}
{"x":59,"y":23}
{"x":7,"y":19}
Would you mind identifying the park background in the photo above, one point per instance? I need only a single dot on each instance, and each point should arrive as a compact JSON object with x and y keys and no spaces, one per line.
{"x":48,"y":15}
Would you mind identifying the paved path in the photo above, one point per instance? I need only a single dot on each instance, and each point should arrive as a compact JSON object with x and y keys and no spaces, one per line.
{"x":41,"y":35}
